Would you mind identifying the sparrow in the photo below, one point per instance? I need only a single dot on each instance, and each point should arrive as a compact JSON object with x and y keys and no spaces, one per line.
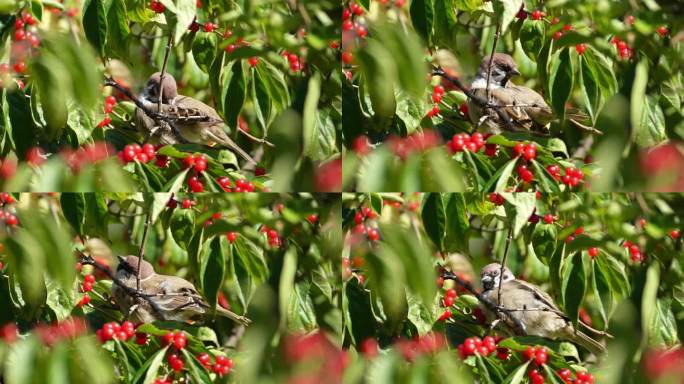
{"x":176,"y":298}
{"x":526,"y":108}
{"x":533,"y":308}
{"x":188,"y":120}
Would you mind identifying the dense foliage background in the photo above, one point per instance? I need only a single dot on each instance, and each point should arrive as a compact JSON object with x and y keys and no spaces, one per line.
{"x":270,"y":257}
{"x":267,"y":67}
{"x":612,"y":260}
{"x":619,"y":63}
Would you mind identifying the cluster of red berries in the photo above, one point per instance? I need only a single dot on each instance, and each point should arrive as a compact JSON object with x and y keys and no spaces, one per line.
{"x":133,"y":152}
{"x":578,"y":231}
{"x":623,"y":49}
{"x":464,"y":142}
{"x":21,"y":31}
{"x":222,"y":366}
{"x":572,"y":177}
{"x":296,"y":62}
{"x":363,"y":214}
{"x":87,"y":286}
{"x":448,"y":301}
{"x":350,"y":31}
{"x":241,"y":185}
{"x":109,"y":103}
{"x":566,"y":375}
{"x":179,"y":339}
{"x":347,"y":263}
{"x":114,"y":330}
{"x":635,"y":253}
{"x":430,"y":343}
{"x":539,"y":354}
{"x":9,"y":218}
{"x":496,"y":198}
{"x":437,"y":94}
{"x":483,"y":347}
{"x":674,"y":234}
{"x":70,"y":328}
{"x":527,"y":151}
{"x":272,"y":236}
{"x":157,"y":6}
{"x":185,"y":203}
{"x":87,"y":154}
{"x":414,"y":143}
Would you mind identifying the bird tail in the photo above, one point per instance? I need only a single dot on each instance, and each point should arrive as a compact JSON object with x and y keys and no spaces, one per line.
{"x":232,"y":315}
{"x":587,"y":342}
{"x":227,"y":142}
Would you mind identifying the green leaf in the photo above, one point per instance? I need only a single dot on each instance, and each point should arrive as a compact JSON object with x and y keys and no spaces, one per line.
{"x":310,"y":129}
{"x":638,"y":95}
{"x":204,"y":49}
{"x":212,"y":271}
{"x":74,"y":210}
{"x":560,"y":81}
{"x":501,"y":177}
{"x":434,"y":218}
{"x":544,"y":240}
{"x":151,"y":367}
{"x":118,"y":30}
{"x":234,"y":92}
{"x":182,"y":226}
{"x":95,"y":24}
{"x":649,"y":300}
{"x":358,"y":311}
{"x":517,"y":376}
{"x":506,"y":10}
{"x":457,"y":224}
{"x":422,"y":14}
{"x":286,"y":283}
{"x":573,"y":285}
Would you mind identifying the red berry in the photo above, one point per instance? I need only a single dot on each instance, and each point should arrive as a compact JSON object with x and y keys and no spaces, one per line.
{"x":540,"y":356}
{"x":209,"y":27}
{"x":522,"y":14}
{"x":445,"y":315}
{"x":312,"y":219}
{"x":529,"y":353}
{"x":167,"y":338}
{"x":87,"y":287}
{"x":548,"y":218}
{"x":204,"y":359}
{"x":536,"y":14}
{"x":450,"y":292}
{"x":662,"y":30}
{"x":674,"y":234}
{"x":580,"y":48}
{"x":347,"y":57}
{"x":200,"y":163}
{"x":373,"y":234}
{"x":229,"y":48}
{"x":179,"y":340}
{"x":579,"y":231}
{"x":567,"y":27}
{"x":19,"y":67}
{"x":177,"y":365}
{"x":530,"y":152}
{"x":188,"y":161}
{"x":89,"y":279}
{"x":557,"y":35}
{"x":463,"y":108}
{"x":231,"y":236}
{"x":11,"y":220}
{"x":593,"y":252}
{"x":253,"y":61}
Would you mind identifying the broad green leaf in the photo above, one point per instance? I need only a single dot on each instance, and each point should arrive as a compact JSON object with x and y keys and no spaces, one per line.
{"x":422,"y":17}
{"x":204,"y":49}
{"x":74,"y":210}
{"x":95,"y":24}
{"x":212,"y":271}
{"x":560,"y":81}
{"x":286,"y":284}
{"x":310,"y":128}
{"x":434,"y":218}
{"x":182,"y":226}
{"x":517,"y":376}
{"x":151,"y":367}
{"x":573,"y":285}
{"x":457,"y":223}
{"x":649,"y":301}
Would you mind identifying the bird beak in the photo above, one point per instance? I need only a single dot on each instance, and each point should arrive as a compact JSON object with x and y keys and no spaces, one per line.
{"x":121,"y":259}
{"x":513,"y":72}
{"x":487,"y":282}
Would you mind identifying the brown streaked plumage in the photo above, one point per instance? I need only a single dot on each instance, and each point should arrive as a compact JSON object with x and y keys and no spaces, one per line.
{"x":192,"y":121}
{"x":526,"y":108}
{"x":177,"y":298}
{"x":534,"y":308}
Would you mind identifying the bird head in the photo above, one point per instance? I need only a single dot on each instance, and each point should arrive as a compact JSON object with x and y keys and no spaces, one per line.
{"x":489,"y":276}
{"x":151,"y":90}
{"x":503,"y":68}
{"x":128,"y":265}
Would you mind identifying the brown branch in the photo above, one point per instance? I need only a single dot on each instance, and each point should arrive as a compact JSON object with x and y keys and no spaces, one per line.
{"x":254,"y":138}
{"x":169,"y":44}
{"x":141,"y":252}
{"x":505,"y":256}
{"x":491,"y":57}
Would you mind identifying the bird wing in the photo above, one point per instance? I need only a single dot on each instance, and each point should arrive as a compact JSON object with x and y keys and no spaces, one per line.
{"x":526,"y":107}
{"x":540,"y":295}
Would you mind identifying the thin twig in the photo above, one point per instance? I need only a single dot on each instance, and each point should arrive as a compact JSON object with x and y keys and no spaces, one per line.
{"x":491,"y":57}
{"x":141,"y":252}
{"x":169,"y":44}
{"x":503,"y":262}
{"x":254,"y":138}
